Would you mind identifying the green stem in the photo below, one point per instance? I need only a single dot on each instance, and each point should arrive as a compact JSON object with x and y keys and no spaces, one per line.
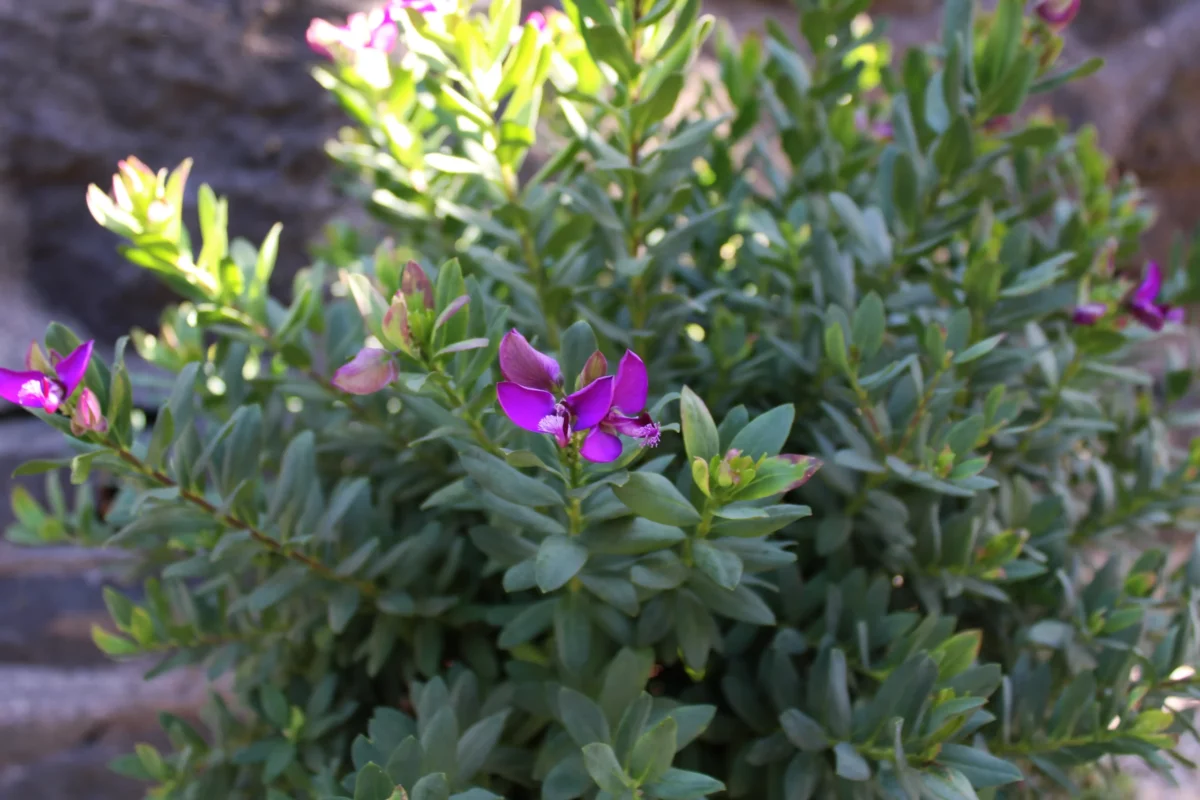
{"x":234,"y":523}
{"x":443,"y":382}
{"x":1051,"y":405}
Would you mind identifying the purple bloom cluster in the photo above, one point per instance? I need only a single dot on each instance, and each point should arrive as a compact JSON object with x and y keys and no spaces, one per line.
{"x":1142,"y":304}
{"x":34,"y":389}
{"x":607,"y":407}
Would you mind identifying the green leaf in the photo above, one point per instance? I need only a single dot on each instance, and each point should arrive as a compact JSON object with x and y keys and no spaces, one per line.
{"x":606,"y":771}
{"x":659,"y":105}
{"x":772,"y":519}
{"x":1003,"y":40}
{"x":678,"y":784}
{"x":372,"y":783}
{"x":849,"y":764}
{"x":955,"y":149}
{"x":431,"y":787}
{"x":803,"y":731}
{"x":624,"y":681}
{"x":654,"y":752}
{"x":835,"y":347}
{"x":559,"y":558}
{"x":979,"y":349}
{"x":609,"y":46}
{"x":343,"y":603}
{"x":982,"y":769}
{"x":766,"y":434}
{"x":1087,"y":67}
{"x":112,"y":645}
{"x":477,"y":743}
{"x":652,"y":496}
{"x":700,"y":438}
{"x":507,"y":482}
{"x":583,"y":719}
{"x":161,"y":438}
{"x":869,"y":325}
{"x":722,"y":566}
{"x":276,"y":588}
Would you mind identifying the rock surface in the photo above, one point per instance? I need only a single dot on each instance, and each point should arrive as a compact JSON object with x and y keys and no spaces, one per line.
{"x":87,"y":82}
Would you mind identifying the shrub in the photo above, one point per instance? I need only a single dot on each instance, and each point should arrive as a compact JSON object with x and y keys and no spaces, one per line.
{"x":428,"y":584}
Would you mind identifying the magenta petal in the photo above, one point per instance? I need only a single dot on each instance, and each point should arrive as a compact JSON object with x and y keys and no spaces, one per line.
{"x":590,"y":404}
{"x":523,"y":365}
{"x":524,"y":406}
{"x":72,"y":368}
{"x":1150,"y":286}
{"x":1149,"y":314}
{"x":1058,"y":12}
{"x":600,"y":447}
{"x":14,"y":386}
{"x":1175,"y":315}
{"x":1089,"y":313}
{"x":368,"y":372}
{"x":631,"y":385}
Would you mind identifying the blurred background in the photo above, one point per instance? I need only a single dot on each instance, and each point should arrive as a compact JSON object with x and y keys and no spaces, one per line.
{"x":226,"y":82}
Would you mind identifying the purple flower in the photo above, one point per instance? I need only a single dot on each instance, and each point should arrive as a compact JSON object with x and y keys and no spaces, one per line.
{"x":34,"y":389}
{"x":87,"y":416}
{"x":881,"y":131}
{"x":1057,"y":13}
{"x":368,"y":30}
{"x":537,"y":19}
{"x":1089,"y":313}
{"x":1144,"y":305}
{"x":528,"y":393}
{"x":626,"y":416}
{"x":366,"y":373}
{"x":524,"y":366}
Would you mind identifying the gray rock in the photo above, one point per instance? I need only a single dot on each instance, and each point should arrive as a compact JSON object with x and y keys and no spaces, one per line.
{"x":88,"y":82}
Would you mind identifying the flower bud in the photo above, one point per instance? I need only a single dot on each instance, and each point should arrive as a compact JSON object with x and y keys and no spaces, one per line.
{"x":728,"y":474}
{"x":395,"y":323}
{"x":368,"y":372}
{"x":595,"y":369}
{"x":36,"y":360}
{"x":87,"y":416}
{"x":415,"y":283}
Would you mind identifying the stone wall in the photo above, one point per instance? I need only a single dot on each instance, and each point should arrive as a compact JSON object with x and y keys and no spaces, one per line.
{"x":87,"y":82}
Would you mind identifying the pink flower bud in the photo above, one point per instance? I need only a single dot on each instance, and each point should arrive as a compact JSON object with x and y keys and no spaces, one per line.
{"x":595,"y":369}
{"x":88,"y":416}
{"x":366,"y":373}
{"x":395,"y":322}
{"x":415,"y":283}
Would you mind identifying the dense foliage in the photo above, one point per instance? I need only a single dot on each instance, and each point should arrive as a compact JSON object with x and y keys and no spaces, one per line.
{"x":428,"y":584}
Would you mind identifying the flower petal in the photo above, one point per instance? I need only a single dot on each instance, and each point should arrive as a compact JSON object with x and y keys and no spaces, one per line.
{"x":1089,"y":313}
{"x":1149,"y":314}
{"x":590,"y":404}
{"x":524,"y":406}
{"x":1148,"y":289}
{"x":13,"y":386}
{"x":808,"y":467}
{"x":600,"y":447}
{"x":321,"y":35}
{"x":1058,"y":12}
{"x":1175,"y":315}
{"x":415,"y":283}
{"x":72,"y":368}
{"x":632,"y":384}
{"x":368,"y":372}
{"x":523,"y":365}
